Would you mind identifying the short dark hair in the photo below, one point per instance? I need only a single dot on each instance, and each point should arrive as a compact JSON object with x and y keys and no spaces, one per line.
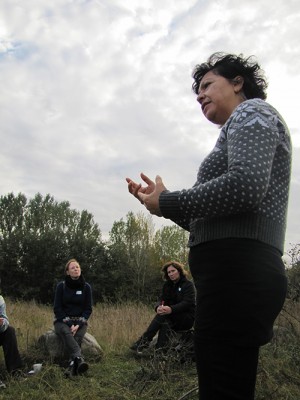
{"x":229,"y":66}
{"x":175,"y":264}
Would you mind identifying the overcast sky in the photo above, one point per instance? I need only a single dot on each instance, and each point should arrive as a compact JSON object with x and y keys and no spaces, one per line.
{"x":93,"y":91}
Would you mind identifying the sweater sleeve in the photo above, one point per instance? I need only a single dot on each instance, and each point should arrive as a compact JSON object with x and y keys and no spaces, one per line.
{"x":251,"y":137}
{"x":3,"y":315}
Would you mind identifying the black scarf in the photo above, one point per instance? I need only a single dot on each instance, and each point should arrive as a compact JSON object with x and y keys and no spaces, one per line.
{"x":75,"y":283}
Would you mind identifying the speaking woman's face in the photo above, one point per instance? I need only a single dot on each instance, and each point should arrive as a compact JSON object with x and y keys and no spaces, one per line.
{"x":219,"y":96}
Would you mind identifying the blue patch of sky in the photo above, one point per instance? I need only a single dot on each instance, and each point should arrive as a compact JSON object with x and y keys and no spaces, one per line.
{"x":18,"y":50}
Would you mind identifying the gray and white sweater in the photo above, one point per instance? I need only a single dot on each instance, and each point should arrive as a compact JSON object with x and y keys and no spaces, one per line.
{"x":242,"y":186}
{"x":3,"y":315}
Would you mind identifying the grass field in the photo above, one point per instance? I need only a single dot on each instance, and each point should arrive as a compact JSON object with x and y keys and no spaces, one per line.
{"x":121,"y":376}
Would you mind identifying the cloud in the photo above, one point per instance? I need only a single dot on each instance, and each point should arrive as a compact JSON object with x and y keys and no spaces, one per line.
{"x":93,"y":91}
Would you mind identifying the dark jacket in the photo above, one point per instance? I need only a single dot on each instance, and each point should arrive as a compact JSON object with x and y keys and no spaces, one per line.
{"x":180,"y":296}
{"x":72,"y":305}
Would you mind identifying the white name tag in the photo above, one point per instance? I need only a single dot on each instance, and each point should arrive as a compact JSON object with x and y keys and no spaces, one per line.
{"x":79,"y":292}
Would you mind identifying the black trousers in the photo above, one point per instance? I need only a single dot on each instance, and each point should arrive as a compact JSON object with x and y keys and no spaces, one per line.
{"x":226,"y":372}
{"x":72,"y":343}
{"x":241,"y":287}
{"x":165,"y":324}
{"x":8,"y":341}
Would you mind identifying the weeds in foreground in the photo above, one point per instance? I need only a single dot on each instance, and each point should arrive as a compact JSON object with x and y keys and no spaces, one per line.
{"x":120,"y":376}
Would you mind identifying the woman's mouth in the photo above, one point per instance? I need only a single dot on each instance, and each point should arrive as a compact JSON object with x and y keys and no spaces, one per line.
{"x":204,"y":105}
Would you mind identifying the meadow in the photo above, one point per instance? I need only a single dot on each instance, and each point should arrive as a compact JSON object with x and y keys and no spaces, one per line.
{"x":121,"y":376}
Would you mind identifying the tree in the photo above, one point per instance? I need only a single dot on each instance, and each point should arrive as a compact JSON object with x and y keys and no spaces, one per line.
{"x":293,"y":273}
{"x":12,"y":212}
{"x":171,"y":244}
{"x":131,"y":247}
{"x":37,"y":237}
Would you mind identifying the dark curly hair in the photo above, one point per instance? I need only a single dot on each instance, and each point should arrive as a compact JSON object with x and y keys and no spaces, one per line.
{"x":230,"y":66}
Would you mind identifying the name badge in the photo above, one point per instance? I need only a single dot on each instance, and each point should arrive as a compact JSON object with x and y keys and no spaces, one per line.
{"x":79,"y":292}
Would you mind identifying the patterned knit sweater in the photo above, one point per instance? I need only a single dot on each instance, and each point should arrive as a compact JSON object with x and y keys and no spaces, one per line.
{"x":3,"y":315}
{"x":242,"y":186}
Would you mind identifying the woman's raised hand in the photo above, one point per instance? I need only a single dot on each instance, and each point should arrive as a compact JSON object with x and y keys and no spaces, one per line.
{"x":136,"y":188}
{"x":148,"y":195}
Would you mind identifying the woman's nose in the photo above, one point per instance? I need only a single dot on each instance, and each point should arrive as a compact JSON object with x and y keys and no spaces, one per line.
{"x":200,"y":97}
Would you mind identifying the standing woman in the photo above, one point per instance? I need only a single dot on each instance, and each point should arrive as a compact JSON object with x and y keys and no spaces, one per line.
{"x":72,"y":309}
{"x":236,"y":215}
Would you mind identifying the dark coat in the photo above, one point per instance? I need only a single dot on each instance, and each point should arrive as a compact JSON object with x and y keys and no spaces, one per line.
{"x":180,"y":296}
{"x":72,"y":303}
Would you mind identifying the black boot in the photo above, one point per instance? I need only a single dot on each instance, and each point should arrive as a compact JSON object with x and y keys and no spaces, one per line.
{"x":140,"y":345}
{"x":72,"y":369}
{"x":81,"y":365}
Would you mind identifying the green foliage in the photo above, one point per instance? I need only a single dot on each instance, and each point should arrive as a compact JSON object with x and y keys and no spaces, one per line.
{"x":121,"y":376}
{"x":171,"y":244}
{"x":293,"y":273}
{"x":39,"y":235}
{"x":278,"y":373}
{"x":117,"y":377}
{"x":131,"y":248}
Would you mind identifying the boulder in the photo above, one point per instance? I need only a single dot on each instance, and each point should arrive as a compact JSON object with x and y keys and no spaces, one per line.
{"x":53,"y":347}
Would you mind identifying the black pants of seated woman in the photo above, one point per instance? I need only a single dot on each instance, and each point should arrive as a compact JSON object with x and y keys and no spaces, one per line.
{"x":164,"y":325}
{"x":72,"y":343}
{"x":241,"y":287}
{"x":11,"y":353}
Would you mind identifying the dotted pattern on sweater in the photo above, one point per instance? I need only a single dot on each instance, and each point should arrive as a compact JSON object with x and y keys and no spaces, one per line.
{"x":248,"y":171}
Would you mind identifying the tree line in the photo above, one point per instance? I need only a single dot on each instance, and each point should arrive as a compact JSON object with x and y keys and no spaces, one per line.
{"x":39,"y":235}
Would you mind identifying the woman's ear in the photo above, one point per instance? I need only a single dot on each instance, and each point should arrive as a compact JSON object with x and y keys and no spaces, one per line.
{"x":238,"y":83}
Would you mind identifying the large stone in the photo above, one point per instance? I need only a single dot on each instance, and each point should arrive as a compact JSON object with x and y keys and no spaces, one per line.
{"x":53,"y":347}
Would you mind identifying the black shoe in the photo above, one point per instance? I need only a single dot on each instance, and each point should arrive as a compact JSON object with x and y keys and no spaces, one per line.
{"x":81,"y":365}
{"x":16,"y":373}
{"x":71,"y":370}
{"x":140,"y":345}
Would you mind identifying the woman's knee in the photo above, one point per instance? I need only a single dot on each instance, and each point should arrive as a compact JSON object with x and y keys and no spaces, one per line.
{"x":61,"y":329}
{"x":10,"y":331}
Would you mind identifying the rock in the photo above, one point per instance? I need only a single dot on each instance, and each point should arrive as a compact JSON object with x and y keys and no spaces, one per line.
{"x":282,"y":334}
{"x":53,"y":347}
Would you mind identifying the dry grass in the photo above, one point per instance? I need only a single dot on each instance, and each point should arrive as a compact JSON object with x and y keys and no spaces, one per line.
{"x":290,"y":317}
{"x":121,"y":377}
{"x":118,"y":376}
{"x":113,"y":325}
{"x":119,"y":325}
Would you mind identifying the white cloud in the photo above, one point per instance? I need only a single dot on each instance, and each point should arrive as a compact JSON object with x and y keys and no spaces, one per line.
{"x":93,"y":91}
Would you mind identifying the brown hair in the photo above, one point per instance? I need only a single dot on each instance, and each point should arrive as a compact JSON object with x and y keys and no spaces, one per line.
{"x":69,"y":262}
{"x":175,"y":264}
